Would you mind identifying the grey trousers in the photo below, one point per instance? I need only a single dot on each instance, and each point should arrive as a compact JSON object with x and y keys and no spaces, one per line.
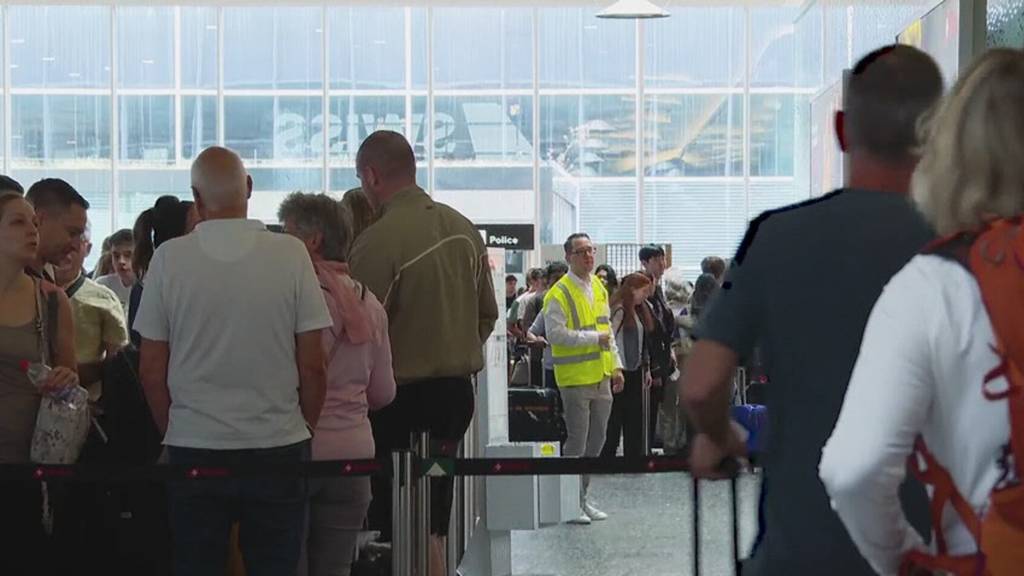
{"x":586,"y":420}
{"x":337,"y":510}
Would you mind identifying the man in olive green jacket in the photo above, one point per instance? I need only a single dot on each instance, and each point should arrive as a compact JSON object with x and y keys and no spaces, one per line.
{"x":429,"y":267}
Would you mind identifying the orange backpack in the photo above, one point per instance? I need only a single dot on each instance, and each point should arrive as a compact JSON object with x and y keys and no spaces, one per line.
{"x":995,"y":256}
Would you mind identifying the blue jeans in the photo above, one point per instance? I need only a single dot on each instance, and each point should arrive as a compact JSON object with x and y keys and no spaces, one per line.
{"x":271,"y":513}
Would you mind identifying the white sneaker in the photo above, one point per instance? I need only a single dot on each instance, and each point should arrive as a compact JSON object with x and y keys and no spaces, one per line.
{"x":583,"y":519}
{"x":594,"y":514}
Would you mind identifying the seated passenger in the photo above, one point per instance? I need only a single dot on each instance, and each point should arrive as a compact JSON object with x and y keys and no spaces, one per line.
{"x":923,"y":370}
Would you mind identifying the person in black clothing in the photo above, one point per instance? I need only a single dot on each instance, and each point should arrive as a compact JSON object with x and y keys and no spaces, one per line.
{"x":661,"y":336}
{"x":168,"y":218}
{"x":607,"y":275}
{"x":631,"y":322}
{"x":809,"y":326}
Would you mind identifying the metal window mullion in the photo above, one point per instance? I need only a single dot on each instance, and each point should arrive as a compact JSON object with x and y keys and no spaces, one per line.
{"x":408,"y":77}
{"x":746,"y":116}
{"x":325,"y":106}
{"x":639,"y":145}
{"x":538,"y":214}
{"x":115,"y":124}
{"x":5,"y":61}
{"x":220,"y":76}
{"x":430,"y":100}
{"x":178,"y":128}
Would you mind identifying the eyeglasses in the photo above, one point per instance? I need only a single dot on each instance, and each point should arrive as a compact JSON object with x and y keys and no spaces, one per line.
{"x":588,"y":251}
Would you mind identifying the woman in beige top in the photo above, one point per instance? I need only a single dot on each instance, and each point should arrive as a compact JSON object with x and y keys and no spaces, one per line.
{"x":24,"y":337}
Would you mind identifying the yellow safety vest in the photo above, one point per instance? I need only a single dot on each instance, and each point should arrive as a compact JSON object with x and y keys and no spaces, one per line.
{"x":581,"y":365}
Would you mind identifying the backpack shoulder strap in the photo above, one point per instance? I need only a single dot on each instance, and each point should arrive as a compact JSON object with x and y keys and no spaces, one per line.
{"x":997,"y":262}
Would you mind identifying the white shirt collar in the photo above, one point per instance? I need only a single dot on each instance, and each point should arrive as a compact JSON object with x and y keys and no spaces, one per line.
{"x":582,"y":282}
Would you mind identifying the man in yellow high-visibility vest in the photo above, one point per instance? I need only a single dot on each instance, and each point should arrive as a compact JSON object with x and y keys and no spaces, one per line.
{"x":587,"y":363}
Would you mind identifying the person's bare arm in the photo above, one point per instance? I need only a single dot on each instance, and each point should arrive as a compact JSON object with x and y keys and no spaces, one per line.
{"x":153,"y":360}
{"x":309,"y":356}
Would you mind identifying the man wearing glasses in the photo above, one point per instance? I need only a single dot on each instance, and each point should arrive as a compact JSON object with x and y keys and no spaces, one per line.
{"x":587,"y":363}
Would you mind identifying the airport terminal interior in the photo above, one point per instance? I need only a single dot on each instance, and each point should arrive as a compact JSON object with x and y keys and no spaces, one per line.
{"x":674,"y":125}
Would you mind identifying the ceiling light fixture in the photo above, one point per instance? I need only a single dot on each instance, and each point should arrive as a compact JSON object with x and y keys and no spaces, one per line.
{"x":632,"y":10}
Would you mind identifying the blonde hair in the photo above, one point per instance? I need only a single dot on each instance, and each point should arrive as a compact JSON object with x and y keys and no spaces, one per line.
{"x":972,"y":168}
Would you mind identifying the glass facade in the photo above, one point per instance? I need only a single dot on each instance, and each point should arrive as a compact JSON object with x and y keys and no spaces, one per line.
{"x":676,"y":131}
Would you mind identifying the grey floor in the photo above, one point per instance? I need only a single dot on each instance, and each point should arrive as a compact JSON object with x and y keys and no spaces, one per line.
{"x":649,"y":531}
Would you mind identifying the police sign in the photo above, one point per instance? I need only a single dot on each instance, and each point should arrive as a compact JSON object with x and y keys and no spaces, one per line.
{"x":507,"y":236}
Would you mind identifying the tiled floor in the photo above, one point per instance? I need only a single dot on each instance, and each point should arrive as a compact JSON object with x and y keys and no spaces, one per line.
{"x":648,"y":533}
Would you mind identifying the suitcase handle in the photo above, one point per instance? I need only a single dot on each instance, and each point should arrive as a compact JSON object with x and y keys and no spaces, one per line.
{"x":733,"y":466}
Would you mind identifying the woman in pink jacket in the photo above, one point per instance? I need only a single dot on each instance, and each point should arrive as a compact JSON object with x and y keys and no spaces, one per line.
{"x":359,"y":379}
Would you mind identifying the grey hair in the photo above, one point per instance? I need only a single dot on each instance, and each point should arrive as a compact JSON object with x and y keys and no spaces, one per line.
{"x":971,"y":169}
{"x":312,"y":213}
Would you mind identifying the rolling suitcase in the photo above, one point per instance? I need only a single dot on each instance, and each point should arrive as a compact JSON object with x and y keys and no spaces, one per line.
{"x":696,"y":515}
{"x":754,"y":419}
{"x":535,"y":415}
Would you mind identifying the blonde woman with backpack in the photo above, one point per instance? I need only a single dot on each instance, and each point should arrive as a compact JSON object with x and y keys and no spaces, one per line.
{"x":939,"y":374}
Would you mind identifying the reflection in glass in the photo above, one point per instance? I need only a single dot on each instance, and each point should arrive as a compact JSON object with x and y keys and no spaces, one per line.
{"x":589,"y":135}
{"x":147,"y":129}
{"x":772,"y":126}
{"x":273,"y":48}
{"x":353,"y":118}
{"x":712,"y":40}
{"x":198,"y":47}
{"x":578,"y":50}
{"x":486,"y":48}
{"x":694,"y":135}
{"x":56,"y":128}
{"x":139,"y":190}
{"x":59,"y":46}
{"x":772,"y":46}
{"x":274,"y":128}
{"x":145,"y":42}
{"x":367,"y":47}
{"x":483,"y":129}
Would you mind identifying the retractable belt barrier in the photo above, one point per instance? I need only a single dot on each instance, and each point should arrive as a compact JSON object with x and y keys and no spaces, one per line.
{"x":436,"y":467}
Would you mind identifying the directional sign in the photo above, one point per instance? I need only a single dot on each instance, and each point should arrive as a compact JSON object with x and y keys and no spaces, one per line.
{"x":507,"y":236}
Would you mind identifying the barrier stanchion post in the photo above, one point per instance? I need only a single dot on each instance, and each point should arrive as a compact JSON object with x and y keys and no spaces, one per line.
{"x":696,"y":525}
{"x":422,"y":506}
{"x":735,"y":523}
{"x":645,"y":420}
{"x":401,"y":519}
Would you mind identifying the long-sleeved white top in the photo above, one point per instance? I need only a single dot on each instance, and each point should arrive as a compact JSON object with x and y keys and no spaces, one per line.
{"x":920,"y":371}
{"x":559,"y":334}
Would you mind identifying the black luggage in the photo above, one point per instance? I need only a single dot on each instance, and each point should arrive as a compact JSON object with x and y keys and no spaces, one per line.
{"x":535,"y":415}
{"x":119,"y":527}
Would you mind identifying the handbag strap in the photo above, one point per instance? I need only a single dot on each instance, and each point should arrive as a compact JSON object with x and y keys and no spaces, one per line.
{"x":46,"y":321}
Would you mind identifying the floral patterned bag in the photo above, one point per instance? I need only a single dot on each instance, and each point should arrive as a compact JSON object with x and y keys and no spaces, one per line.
{"x":62,"y":424}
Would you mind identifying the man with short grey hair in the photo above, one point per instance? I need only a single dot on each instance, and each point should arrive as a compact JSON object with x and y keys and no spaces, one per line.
{"x":809,"y":326}
{"x":429,"y":266}
{"x":233,"y":371}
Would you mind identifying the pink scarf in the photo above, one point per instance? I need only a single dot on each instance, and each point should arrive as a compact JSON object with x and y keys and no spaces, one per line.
{"x":350,"y":320}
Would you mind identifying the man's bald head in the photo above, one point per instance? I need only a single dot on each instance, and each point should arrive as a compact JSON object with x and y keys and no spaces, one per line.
{"x":219,"y":180}
{"x":385,"y":164}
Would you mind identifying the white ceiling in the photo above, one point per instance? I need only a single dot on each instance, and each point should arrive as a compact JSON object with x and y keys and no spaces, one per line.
{"x":597,"y":4}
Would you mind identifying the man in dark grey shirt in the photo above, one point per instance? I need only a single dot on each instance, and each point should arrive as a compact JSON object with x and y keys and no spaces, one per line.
{"x":809,"y":327}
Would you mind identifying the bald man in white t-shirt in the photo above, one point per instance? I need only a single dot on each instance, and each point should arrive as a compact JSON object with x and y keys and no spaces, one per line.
{"x":233,"y":371}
